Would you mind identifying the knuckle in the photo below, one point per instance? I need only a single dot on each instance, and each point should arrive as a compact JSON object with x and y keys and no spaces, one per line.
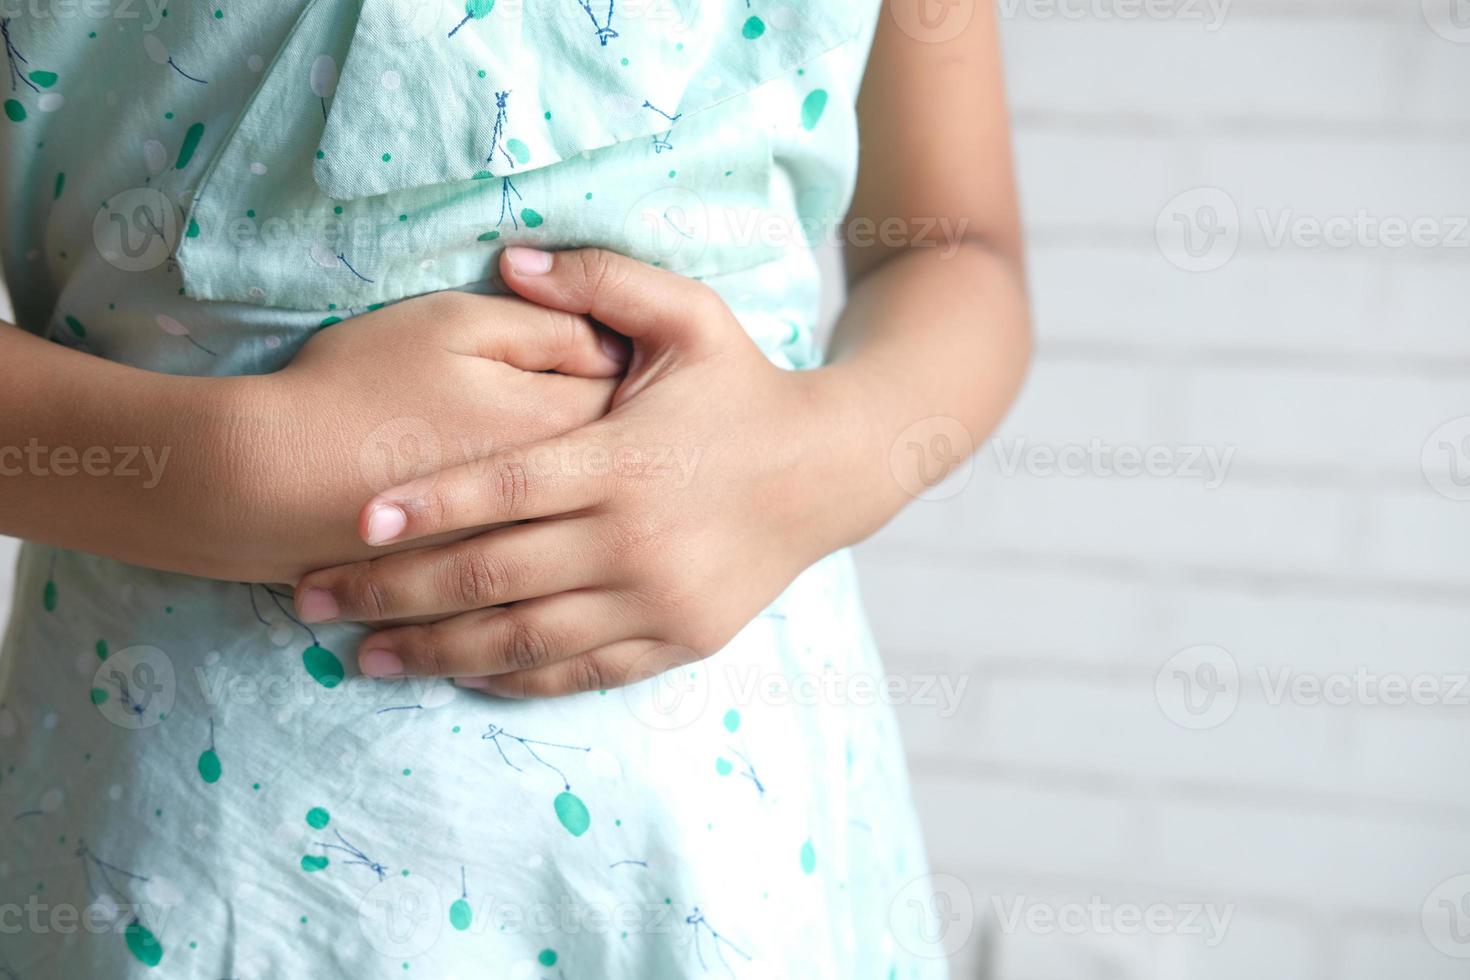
{"x":427,"y":648}
{"x":602,"y":272}
{"x":585,"y":673}
{"x":526,"y":646}
{"x":366,"y":594}
{"x":476,"y":579}
{"x":511,"y":481}
{"x":435,"y":506}
{"x":562,"y":330}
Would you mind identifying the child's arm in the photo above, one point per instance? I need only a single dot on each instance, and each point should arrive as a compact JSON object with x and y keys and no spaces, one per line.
{"x":260,"y":478}
{"x":937,"y":326}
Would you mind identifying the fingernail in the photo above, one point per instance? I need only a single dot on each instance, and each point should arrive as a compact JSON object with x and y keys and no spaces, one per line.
{"x":380,"y":663}
{"x":614,"y":348}
{"x":385,"y":523}
{"x":528,"y":261}
{"x":473,"y":683}
{"x":318,"y":606}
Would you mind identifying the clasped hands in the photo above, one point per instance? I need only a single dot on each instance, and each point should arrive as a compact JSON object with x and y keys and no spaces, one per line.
{"x":661,"y":528}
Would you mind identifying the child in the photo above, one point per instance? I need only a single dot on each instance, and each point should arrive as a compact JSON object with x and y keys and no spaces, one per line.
{"x":491,"y":327}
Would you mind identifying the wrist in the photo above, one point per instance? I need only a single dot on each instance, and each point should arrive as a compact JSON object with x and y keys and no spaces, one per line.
{"x":850,"y":488}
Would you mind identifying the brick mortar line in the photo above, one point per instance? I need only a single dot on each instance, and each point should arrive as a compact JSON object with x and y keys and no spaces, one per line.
{"x":1201,"y":129}
{"x":1114,"y":568}
{"x":1253,"y":356}
{"x":1129,"y":239}
{"x":1141,"y":789}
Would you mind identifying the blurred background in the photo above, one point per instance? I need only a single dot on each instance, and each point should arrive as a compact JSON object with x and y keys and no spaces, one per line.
{"x":1202,"y":603}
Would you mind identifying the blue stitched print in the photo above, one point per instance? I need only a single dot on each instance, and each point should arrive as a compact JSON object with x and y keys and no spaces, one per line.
{"x":474,"y":10}
{"x":358,"y":857}
{"x":158,"y":53}
{"x":328,"y":259}
{"x":507,"y":186}
{"x":501,"y":101}
{"x":661,"y":143}
{"x":13,"y":55}
{"x":605,"y":33}
{"x":570,"y":809}
{"x":322,"y":664}
{"x":144,"y":946}
{"x":701,"y":925}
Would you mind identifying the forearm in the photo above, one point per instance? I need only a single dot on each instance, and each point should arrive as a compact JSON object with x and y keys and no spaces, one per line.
{"x":110,"y":459}
{"x":927,"y":337}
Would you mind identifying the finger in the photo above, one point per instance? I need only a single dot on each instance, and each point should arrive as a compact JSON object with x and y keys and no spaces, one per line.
{"x":546,"y":479}
{"x":536,"y":338}
{"x":497,"y":641}
{"x":634,"y":298}
{"x":506,"y":565}
{"x":615,"y":665}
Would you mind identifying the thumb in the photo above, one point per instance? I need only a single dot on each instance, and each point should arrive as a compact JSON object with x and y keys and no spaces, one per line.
{"x":659,"y":308}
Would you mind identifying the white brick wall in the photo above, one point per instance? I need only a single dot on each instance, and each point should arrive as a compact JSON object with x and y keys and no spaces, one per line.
{"x":1322,"y":827}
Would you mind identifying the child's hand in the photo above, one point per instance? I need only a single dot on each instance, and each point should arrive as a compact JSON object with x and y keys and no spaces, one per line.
{"x":399,"y":393}
{"x":666,"y":526}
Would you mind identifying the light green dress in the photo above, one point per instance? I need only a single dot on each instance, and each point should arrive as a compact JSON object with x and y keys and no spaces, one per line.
{"x":194,"y":784}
